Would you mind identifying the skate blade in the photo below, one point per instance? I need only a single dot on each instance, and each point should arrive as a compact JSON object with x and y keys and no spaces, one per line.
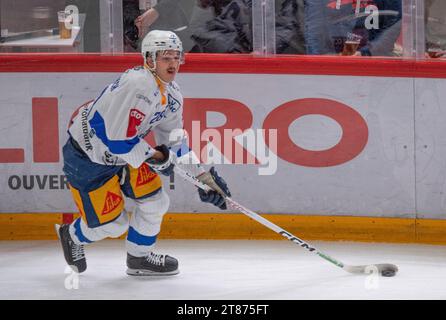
{"x":148,"y":273}
{"x":74,"y":268}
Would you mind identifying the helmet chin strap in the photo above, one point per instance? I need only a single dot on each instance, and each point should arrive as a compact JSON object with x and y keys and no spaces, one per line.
{"x":161,"y":83}
{"x":152,"y":70}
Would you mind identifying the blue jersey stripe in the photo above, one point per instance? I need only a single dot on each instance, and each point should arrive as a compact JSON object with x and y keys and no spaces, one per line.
{"x":139,"y":239}
{"x":115,"y":146}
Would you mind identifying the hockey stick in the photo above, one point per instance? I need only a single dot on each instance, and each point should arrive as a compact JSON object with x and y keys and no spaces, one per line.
{"x":384,"y":269}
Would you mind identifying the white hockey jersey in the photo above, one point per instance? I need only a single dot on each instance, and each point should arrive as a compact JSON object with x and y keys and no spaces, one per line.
{"x":111,"y":129}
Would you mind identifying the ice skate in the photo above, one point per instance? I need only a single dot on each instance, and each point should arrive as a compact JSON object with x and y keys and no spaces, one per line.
{"x":152,"y":265}
{"x":73,"y":253}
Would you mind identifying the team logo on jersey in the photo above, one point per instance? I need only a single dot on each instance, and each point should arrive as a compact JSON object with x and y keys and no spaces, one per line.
{"x":173,"y":104}
{"x":112,"y":201}
{"x":145,"y":175}
{"x":136,"y":117}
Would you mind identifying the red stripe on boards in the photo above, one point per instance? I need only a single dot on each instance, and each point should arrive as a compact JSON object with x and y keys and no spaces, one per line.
{"x":232,"y":63}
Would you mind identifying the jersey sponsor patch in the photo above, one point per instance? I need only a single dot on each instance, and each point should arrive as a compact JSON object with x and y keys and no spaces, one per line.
{"x":145,"y":175}
{"x":112,"y":201}
{"x":136,"y":117}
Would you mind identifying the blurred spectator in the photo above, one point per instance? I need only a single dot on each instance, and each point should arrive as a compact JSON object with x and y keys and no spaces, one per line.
{"x":290,"y":37}
{"x":435,"y":31}
{"x":229,"y":31}
{"x":138,"y":20}
{"x":163,"y":15}
{"x":328,"y":24}
{"x":131,"y":11}
{"x":214,"y":26}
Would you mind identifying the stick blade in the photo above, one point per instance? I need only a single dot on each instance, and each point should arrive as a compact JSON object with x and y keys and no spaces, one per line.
{"x":383,"y":269}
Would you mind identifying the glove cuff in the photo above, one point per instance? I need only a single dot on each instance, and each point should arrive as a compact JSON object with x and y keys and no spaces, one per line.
{"x":168,"y":159}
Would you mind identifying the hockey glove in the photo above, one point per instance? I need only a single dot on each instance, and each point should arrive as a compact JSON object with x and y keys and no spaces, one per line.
{"x":220,"y":189}
{"x":166,"y":166}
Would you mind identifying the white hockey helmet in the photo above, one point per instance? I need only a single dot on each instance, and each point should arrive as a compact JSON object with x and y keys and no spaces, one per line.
{"x":160,"y":40}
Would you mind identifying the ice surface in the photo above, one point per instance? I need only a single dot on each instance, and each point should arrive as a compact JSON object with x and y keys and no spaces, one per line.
{"x":231,"y":269}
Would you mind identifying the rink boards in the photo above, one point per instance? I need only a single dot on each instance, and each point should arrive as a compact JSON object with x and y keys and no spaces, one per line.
{"x":352,"y":140}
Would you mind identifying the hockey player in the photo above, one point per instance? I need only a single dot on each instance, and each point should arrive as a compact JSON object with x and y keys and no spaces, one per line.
{"x":106,"y":158}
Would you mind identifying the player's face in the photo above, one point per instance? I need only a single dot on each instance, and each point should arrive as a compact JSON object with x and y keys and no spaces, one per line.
{"x":168,"y":64}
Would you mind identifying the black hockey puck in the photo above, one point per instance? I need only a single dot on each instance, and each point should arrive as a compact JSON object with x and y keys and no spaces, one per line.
{"x":388,"y":273}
